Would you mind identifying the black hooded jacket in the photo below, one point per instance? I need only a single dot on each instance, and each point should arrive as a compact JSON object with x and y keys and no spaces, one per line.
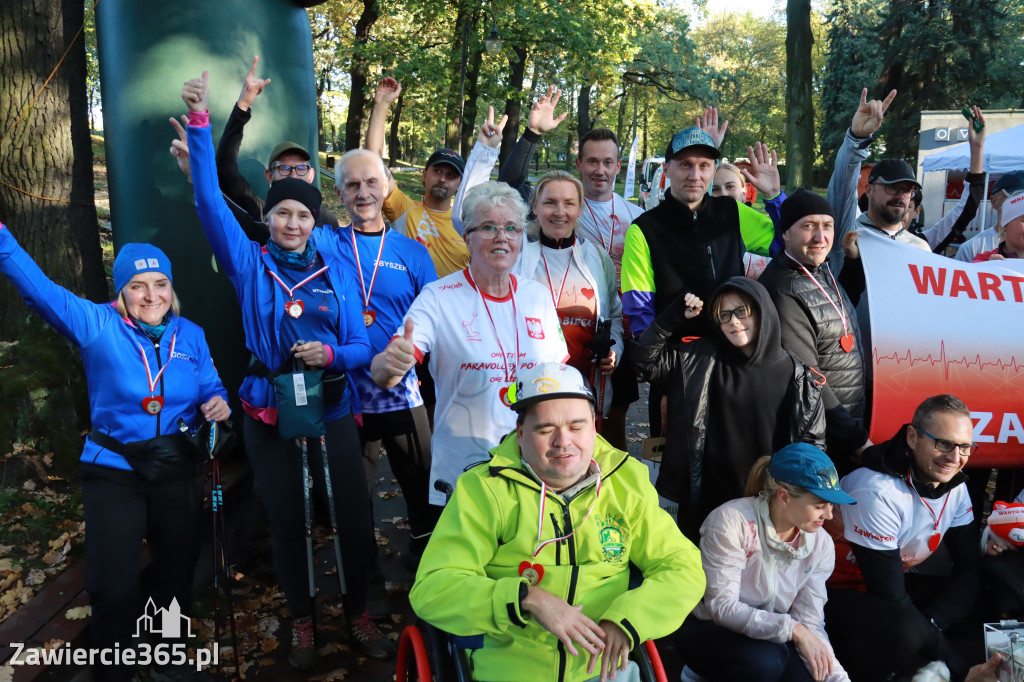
{"x":726,"y":410}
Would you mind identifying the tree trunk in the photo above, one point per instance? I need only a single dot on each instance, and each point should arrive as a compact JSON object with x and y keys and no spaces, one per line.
{"x":321,"y":85}
{"x":453,"y":126}
{"x":619,"y":128}
{"x":799,"y":104}
{"x":394,"y":144}
{"x":357,"y":76}
{"x":513,"y":105}
{"x":583,"y":122}
{"x":47,"y":153}
{"x":470,"y":112}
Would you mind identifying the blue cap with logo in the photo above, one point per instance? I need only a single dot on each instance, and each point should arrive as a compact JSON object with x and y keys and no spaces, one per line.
{"x":691,"y":137}
{"x":134,"y":258}
{"x":806,"y":466}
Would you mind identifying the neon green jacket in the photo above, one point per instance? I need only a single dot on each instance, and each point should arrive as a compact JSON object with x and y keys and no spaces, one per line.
{"x":468,"y":580}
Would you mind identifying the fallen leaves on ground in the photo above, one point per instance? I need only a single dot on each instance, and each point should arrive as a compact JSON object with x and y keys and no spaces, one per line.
{"x":78,"y":612}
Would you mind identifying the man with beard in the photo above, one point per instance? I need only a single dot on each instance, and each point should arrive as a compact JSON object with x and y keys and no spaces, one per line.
{"x":890,"y":185}
{"x":432,"y":220}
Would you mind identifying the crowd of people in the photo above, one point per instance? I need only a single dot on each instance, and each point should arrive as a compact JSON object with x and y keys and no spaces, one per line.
{"x":490,"y":337}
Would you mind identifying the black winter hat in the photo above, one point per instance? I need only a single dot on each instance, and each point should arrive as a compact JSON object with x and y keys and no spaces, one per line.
{"x":299,"y":190}
{"x":802,"y":203}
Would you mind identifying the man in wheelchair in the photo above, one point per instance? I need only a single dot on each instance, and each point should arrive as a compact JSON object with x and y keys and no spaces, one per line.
{"x":534,"y":549}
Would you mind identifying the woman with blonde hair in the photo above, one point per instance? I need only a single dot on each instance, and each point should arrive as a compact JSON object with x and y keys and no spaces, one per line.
{"x":579,"y":277}
{"x":766,"y":561}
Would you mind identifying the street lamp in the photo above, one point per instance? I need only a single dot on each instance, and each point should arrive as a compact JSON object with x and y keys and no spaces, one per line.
{"x":493,"y":43}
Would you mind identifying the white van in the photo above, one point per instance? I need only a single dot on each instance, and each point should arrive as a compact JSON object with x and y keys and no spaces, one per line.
{"x":653,"y":182}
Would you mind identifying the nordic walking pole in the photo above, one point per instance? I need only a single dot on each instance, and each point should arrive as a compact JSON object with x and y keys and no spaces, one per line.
{"x":220,"y":563}
{"x":307,"y":485}
{"x":334,"y":516}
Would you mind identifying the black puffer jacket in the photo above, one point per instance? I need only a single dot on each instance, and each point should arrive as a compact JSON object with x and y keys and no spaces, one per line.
{"x":692,"y":373}
{"x":811,"y":328}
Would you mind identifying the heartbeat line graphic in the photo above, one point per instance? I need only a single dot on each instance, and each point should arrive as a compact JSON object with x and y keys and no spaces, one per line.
{"x":964,"y":361}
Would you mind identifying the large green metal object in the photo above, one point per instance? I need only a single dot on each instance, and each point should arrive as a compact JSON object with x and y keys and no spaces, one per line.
{"x":147,"y":50}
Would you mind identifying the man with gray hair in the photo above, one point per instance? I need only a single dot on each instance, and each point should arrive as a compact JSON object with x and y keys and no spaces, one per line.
{"x":391,"y":270}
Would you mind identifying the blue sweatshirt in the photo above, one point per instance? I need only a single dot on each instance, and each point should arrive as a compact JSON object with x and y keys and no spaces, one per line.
{"x":111,"y":348}
{"x":405,"y":268}
{"x":248,"y":265}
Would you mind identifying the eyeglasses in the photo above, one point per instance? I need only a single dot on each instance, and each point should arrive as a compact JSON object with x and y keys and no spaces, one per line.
{"x":491,"y":231}
{"x":947,"y":446}
{"x":725,"y":316}
{"x":896,"y":190}
{"x":299,"y":170}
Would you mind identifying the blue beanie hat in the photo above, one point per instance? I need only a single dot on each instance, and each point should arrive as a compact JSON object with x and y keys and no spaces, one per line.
{"x":134,"y":258}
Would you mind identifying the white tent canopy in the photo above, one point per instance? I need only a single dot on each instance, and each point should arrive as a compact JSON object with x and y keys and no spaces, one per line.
{"x":1004,"y":152}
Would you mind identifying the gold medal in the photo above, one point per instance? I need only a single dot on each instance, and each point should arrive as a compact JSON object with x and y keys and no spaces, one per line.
{"x":369,"y":317}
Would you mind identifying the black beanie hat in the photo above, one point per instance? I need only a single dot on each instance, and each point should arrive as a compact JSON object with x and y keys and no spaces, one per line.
{"x":802,"y":203}
{"x":299,"y":190}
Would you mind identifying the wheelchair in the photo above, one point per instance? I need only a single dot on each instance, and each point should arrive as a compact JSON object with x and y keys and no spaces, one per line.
{"x":427,"y":654}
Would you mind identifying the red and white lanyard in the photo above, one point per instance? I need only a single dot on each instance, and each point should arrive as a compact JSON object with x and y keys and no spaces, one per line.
{"x":154,"y":380}
{"x":551,"y":287}
{"x":543,"y":505}
{"x":509,"y":376}
{"x":611,"y":226}
{"x":933,"y":541}
{"x":376,"y":265}
{"x":291,"y":292}
{"x":841,"y":308}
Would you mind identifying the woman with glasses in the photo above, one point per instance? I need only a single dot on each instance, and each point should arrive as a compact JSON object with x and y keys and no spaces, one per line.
{"x":580,"y":279}
{"x":480,"y":326}
{"x":733,"y":397}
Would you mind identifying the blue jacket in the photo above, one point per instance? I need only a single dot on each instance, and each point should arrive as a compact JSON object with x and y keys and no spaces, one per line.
{"x":261,"y":300}
{"x":114,"y":370}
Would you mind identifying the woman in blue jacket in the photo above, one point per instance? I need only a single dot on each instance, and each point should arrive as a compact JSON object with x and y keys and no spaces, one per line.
{"x":149,"y":371}
{"x":288,"y":291}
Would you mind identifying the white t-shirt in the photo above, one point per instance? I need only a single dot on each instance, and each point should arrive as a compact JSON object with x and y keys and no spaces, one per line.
{"x":890,"y":514}
{"x":454,"y":324}
{"x":604,"y":223}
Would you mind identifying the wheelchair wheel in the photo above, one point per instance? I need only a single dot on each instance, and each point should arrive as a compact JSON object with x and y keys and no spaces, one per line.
{"x":412,"y":662}
{"x":648,"y":660}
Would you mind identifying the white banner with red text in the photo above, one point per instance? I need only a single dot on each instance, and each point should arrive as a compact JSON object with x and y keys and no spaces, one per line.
{"x":942,"y":326}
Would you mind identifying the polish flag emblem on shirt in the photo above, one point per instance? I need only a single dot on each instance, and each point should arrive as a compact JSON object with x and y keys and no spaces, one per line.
{"x":534,"y":328}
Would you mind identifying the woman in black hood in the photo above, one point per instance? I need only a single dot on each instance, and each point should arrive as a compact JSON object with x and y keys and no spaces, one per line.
{"x":733,"y":396}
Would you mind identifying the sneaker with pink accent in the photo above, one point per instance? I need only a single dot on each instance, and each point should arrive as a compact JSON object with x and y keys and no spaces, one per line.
{"x":370,"y":639}
{"x":302,"y":655}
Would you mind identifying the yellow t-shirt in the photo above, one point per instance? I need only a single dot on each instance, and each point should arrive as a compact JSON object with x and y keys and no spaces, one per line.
{"x":431,"y":228}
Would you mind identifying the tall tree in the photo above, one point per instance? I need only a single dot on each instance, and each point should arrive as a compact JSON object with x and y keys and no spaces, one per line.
{"x":799,"y":95}
{"x":46,"y":194}
{"x":358,"y":75}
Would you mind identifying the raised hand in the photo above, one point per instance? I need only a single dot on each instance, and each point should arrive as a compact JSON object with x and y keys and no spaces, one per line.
{"x":693,"y":306}
{"x":179,"y":147}
{"x":490,"y":133}
{"x":388,"y":90}
{"x":764,"y":170}
{"x":196,"y":93}
{"x":252,"y":87}
{"x":401,"y":352}
{"x":542,"y":114}
{"x":868,"y":117}
{"x":976,"y":138}
{"x":709,"y":124}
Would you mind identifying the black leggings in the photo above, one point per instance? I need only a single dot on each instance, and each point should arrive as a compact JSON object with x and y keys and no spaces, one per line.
{"x":277,"y":468}
{"x":121,"y":509}
{"x":405,"y":435}
{"x":717,"y":653}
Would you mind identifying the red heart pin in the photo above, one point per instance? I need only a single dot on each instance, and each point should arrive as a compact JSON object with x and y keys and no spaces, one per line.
{"x":503,"y":394}
{"x":589,"y":293}
{"x":533,"y":573}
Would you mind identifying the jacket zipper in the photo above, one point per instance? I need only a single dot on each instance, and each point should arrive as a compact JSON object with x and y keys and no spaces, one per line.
{"x":156,"y":347}
{"x":573,"y":579}
{"x":711,"y":262}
